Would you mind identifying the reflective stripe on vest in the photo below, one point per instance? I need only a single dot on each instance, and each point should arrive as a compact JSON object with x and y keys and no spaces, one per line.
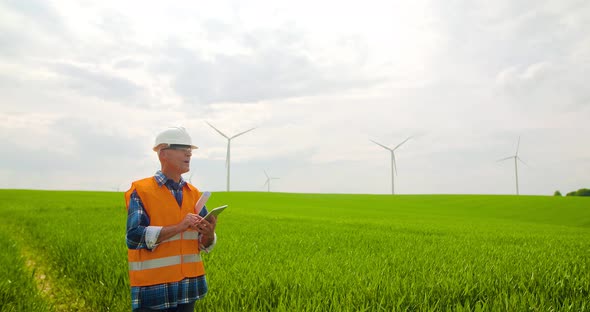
{"x":194,"y":235}
{"x":163,"y":262}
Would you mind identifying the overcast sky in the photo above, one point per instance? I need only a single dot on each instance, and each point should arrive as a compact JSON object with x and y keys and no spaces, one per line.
{"x":85,"y":86}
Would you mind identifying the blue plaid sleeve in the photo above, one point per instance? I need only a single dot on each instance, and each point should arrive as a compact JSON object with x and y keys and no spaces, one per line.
{"x":137,"y":221}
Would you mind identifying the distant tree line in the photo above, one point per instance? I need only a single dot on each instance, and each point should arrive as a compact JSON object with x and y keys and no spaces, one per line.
{"x":580,"y":192}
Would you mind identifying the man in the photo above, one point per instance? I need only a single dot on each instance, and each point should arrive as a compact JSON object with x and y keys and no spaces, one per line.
{"x":165,"y":234}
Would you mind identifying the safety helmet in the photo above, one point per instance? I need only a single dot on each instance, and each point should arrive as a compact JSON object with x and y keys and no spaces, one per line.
{"x":173,"y":135}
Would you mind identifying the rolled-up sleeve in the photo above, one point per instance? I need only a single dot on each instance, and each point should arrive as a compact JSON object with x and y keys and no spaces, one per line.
{"x":151,"y":236}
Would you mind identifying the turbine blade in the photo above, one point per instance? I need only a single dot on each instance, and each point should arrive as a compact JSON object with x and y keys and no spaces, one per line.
{"x":522,"y":161}
{"x":266,"y":174}
{"x":505,"y":158}
{"x":402,"y":143}
{"x":385,"y":147}
{"x":517,"y":145}
{"x":225,"y":136}
{"x":394,"y":165}
{"x":266,"y":183}
{"x":237,"y":135}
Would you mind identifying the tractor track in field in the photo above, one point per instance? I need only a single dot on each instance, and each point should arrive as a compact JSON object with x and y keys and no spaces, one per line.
{"x":44,"y":285}
{"x":58,"y":296}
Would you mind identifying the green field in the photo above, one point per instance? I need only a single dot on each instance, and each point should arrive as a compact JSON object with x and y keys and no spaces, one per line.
{"x":65,"y":251}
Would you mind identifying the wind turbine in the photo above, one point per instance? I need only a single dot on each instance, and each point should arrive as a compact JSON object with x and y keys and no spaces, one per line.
{"x":227,"y":158}
{"x":393,"y":166}
{"x":268,"y":180}
{"x":516,"y":158}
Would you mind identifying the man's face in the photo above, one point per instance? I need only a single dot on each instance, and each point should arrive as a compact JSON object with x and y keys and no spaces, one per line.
{"x":178,"y":158}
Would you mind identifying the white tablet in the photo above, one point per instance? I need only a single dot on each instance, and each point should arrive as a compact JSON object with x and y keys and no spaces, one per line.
{"x":215,"y":211}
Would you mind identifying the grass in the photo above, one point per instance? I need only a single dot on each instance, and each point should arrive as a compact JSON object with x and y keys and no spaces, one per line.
{"x":312,"y":252}
{"x":18,"y":290}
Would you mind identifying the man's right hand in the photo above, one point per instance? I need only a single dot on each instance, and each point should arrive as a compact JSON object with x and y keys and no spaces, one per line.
{"x":190,"y":221}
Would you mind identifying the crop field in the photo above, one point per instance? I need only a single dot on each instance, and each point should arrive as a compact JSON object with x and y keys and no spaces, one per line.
{"x":65,"y":251}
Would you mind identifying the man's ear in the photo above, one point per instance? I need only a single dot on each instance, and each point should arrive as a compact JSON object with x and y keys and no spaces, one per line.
{"x":161,"y":154}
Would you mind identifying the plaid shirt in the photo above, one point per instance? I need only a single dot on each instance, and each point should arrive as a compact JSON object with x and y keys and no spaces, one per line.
{"x":161,"y":296}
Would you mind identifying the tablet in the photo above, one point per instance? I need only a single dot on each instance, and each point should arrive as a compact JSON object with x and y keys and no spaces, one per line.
{"x":216,"y":211}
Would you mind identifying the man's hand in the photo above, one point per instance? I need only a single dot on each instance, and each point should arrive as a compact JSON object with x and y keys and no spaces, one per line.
{"x":207,"y":229}
{"x":189,"y":221}
{"x":206,"y":226}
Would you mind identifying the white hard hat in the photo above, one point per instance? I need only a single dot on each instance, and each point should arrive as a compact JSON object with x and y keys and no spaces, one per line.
{"x":173,"y":135}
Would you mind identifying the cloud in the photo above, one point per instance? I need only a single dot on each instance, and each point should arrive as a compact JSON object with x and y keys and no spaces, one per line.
{"x":56,"y":151}
{"x":99,"y":83}
{"x":530,"y":57}
{"x":268,"y":65}
{"x":489,"y":36}
{"x":63,"y":139}
{"x":26,"y":26}
{"x":41,"y":12}
{"x":545,"y":86}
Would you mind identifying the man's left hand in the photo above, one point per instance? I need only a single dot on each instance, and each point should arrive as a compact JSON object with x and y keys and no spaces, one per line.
{"x":206,"y":226}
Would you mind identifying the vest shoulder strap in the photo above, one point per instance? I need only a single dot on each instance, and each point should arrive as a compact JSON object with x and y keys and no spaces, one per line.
{"x":142,"y":184}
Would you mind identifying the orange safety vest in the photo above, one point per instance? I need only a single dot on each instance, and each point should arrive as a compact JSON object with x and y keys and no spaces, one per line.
{"x":175,"y":258}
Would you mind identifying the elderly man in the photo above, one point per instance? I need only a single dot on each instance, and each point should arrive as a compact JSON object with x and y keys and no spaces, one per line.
{"x":165,"y":233}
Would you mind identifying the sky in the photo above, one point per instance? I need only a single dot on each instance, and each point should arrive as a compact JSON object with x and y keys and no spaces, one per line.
{"x":85,"y":86}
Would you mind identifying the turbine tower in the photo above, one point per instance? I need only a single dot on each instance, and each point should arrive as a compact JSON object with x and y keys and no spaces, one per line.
{"x":516,"y":159}
{"x":268,"y":178}
{"x":393,"y":166}
{"x":227,"y":157}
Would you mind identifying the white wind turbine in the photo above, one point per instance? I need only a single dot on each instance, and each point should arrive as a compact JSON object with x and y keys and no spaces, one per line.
{"x":516,"y":159}
{"x":268,"y":179}
{"x":227,"y":158}
{"x":393,"y":166}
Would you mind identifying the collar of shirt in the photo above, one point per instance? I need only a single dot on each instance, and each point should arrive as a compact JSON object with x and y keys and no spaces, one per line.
{"x":162,"y":179}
